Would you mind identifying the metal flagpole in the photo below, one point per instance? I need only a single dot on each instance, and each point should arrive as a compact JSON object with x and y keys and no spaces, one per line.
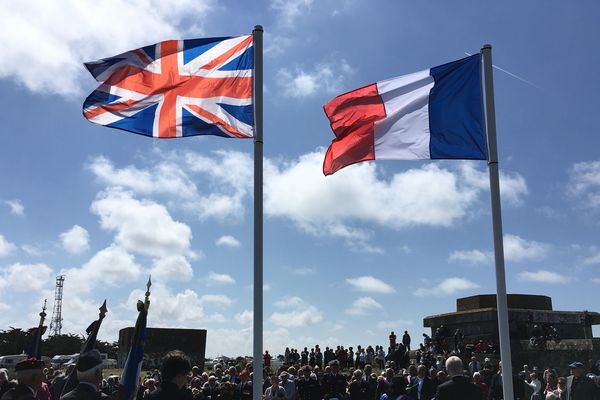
{"x":502,"y":303}
{"x":257,"y":367}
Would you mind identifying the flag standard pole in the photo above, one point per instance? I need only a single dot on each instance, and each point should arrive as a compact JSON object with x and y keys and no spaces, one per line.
{"x":502,"y":303}
{"x":257,"y":367}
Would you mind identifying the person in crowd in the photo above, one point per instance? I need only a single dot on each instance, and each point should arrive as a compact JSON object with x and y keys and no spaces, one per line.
{"x":458,"y":386}
{"x":307,"y":387}
{"x":89,"y":375}
{"x":536,"y":386}
{"x":478,"y":381}
{"x":474,"y":366}
{"x":392,"y":338}
{"x":358,"y":389}
{"x":274,"y":392}
{"x":334,"y":383}
{"x":29,"y":377}
{"x":289,"y":385}
{"x":267,"y":359}
{"x":174,"y":372}
{"x":421,"y":386}
{"x":496,"y":390}
{"x":579,"y":386}
{"x":5,"y":384}
{"x":561,"y":390}
{"x":396,"y":389}
{"x":406,"y":340}
{"x":211,"y":389}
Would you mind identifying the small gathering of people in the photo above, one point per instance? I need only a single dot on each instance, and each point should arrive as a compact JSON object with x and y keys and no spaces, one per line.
{"x":431,"y":372}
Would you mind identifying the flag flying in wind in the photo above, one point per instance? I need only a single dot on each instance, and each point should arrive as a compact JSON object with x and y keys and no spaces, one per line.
{"x":177,"y":88}
{"x":89,"y":345}
{"x":130,"y":377}
{"x":432,"y":114}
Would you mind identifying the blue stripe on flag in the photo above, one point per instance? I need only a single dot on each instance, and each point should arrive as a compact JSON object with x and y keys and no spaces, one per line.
{"x":195,"y":126}
{"x":456,"y":119}
{"x":140,"y":123}
{"x":243,"y":61}
{"x":192,"y":48}
{"x":243,"y":113}
{"x":99,"y":97}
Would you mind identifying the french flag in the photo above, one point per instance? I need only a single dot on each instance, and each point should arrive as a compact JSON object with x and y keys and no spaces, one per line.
{"x":432,"y":114}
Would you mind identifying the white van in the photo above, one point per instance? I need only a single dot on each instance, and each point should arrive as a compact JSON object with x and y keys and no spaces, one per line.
{"x":59,"y":360}
{"x":11,"y":361}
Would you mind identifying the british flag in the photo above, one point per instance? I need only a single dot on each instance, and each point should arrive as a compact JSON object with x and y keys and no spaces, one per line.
{"x":176,"y":88}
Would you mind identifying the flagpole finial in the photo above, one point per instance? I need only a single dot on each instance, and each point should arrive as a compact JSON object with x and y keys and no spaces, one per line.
{"x":147,"y":299}
{"x":43,"y":313}
{"x":103,"y":310}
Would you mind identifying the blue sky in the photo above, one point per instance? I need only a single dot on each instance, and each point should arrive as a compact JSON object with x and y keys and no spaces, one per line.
{"x":375,"y":247}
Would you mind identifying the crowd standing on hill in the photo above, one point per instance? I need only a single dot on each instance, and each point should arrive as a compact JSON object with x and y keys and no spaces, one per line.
{"x":439,"y":369}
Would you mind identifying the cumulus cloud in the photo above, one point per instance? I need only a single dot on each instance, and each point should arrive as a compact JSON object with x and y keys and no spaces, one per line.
{"x":75,"y":240}
{"x":369,"y":284}
{"x":543,"y":276}
{"x":593,"y":259}
{"x":518,"y":249}
{"x":175,"y":309}
{"x":471,"y":256}
{"x":304,"y":82}
{"x":26,"y":277}
{"x":448,"y":286}
{"x":228,"y":241}
{"x":300,"y":313}
{"x":142,"y":226}
{"x":584,"y":184}
{"x":244,"y":318}
{"x":339,"y":206}
{"x":66,"y":33}
{"x":222,"y":279}
{"x":172,"y":268}
{"x":217,"y":299}
{"x":110,"y":266}
{"x":16,"y":207}
{"x":6,"y":247}
{"x":362,"y":306}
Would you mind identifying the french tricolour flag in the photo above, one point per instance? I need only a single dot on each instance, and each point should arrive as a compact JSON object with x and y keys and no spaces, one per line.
{"x":432,"y":114}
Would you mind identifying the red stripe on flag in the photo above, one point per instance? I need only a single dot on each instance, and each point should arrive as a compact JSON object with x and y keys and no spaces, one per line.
{"x":352,"y":117}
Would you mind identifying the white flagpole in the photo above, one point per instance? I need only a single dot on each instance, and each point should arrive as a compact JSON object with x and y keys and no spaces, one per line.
{"x":257,"y":365}
{"x":502,"y":303}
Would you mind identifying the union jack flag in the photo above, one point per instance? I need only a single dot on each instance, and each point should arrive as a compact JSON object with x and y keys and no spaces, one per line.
{"x":176,"y":88}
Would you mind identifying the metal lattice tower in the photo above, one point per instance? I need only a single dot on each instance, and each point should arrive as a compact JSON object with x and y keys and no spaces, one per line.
{"x":56,"y":323}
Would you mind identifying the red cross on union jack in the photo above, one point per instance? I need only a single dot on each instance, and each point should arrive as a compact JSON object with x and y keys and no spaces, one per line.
{"x":176,"y":88}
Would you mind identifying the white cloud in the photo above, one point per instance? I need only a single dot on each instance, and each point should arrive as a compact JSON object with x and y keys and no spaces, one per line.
{"x":172,"y":268}
{"x":325,"y":77}
{"x":75,"y":240}
{"x":370,"y":284}
{"x":276,"y":45}
{"x":171,"y":309}
{"x":300,"y":314}
{"x":584,"y":184}
{"x":228,"y":241}
{"x":16,"y":207}
{"x":518,"y":249}
{"x":288,"y":11}
{"x":68,"y":32}
{"x":596,"y":280}
{"x":471,"y":256}
{"x":217,"y":299}
{"x":141,"y":226}
{"x":302,"y":271}
{"x":31,"y":250}
{"x":339,"y":206}
{"x":447,"y":287}
{"x":395,"y":325}
{"x":223,"y":279}
{"x":27,"y":277}
{"x":513,"y":187}
{"x":362,"y":306}
{"x":543,"y":276}
{"x":245,"y":318}
{"x":110,"y":266}
{"x":593,"y":259}
{"x":6,"y":247}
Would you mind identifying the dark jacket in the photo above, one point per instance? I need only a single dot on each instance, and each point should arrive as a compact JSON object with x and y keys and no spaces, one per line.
{"x":83,"y":392}
{"x":20,"y":392}
{"x":458,"y":387}
{"x":496,"y":389}
{"x":584,"y":389}
{"x":427,"y":389}
{"x":170,"y":391}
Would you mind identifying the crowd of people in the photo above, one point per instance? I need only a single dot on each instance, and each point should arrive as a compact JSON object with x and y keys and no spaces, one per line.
{"x":433,"y":371}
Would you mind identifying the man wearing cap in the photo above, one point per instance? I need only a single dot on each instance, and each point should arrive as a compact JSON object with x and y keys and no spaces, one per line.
{"x":30,"y":377}
{"x":334,"y":383}
{"x":89,"y":375}
{"x":579,"y":386}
